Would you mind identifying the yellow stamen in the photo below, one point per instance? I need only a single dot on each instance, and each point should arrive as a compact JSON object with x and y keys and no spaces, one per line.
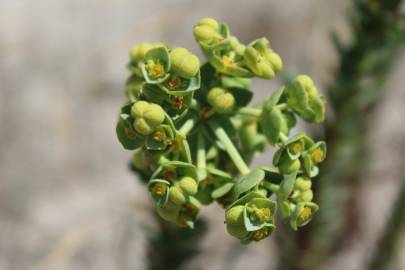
{"x":178,"y":102}
{"x":228,"y":61}
{"x":155,"y":70}
{"x":159,"y":135}
{"x":305,"y":213}
{"x":260,"y":234}
{"x":159,"y":189}
{"x":296,"y":148}
{"x":317,"y":155}
{"x":173,"y":82}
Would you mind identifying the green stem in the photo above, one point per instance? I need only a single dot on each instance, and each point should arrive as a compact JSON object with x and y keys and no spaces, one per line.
{"x":272,"y":187}
{"x":163,"y":160}
{"x":230,"y":148}
{"x":283,"y":137}
{"x":201,"y":156}
{"x":249,"y":111}
{"x":201,"y":159}
{"x":282,"y":106}
{"x":188,"y":126}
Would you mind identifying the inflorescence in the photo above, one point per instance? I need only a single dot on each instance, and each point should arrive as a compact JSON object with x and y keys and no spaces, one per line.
{"x":193,"y":133}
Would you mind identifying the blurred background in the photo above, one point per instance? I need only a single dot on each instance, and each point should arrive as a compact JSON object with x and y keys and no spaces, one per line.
{"x":67,"y":197}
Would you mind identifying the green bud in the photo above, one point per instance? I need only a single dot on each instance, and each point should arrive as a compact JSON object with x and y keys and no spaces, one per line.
{"x":188,"y":185}
{"x":261,"y":60}
{"x":138,"y":160}
{"x":234,"y":222}
{"x":176,"y":195}
{"x":307,"y":196}
{"x":303,"y":98}
{"x":138,"y":52}
{"x":147,"y":116}
{"x":221,"y":100}
{"x":184,"y":63}
{"x":207,"y":30}
{"x":287,"y":165}
{"x":303,"y":184}
{"x":169,"y":211}
{"x":234,"y":215}
{"x":237,"y":231}
{"x":236,"y":45}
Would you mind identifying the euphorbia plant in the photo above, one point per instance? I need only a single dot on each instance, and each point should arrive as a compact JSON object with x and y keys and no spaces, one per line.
{"x":193,"y":133}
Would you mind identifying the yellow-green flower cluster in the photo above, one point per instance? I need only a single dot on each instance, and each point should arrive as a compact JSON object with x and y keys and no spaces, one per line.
{"x":193,"y":133}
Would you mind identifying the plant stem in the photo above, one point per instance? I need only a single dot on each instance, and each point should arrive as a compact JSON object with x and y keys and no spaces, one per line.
{"x":249,"y":111}
{"x":188,"y":126}
{"x":283,"y":137}
{"x":229,"y":147}
{"x":201,"y":156}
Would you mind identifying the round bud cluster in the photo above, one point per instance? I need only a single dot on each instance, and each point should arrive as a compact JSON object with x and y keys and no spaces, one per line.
{"x":193,"y":133}
{"x":303,"y":98}
{"x":147,"y":116}
{"x":262,"y":60}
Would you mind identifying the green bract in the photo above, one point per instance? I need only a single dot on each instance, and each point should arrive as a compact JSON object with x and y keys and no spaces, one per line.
{"x":193,"y":133}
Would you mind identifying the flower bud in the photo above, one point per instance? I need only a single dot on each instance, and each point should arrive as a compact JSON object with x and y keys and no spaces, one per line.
{"x":169,"y":211}
{"x":303,"y":98}
{"x":234,"y":222}
{"x":138,"y":160}
{"x":184,"y":63}
{"x":238,"y":47}
{"x":261,"y":60}
{"x":302,"y":184}
{"x":138,"y":52}
{"x":237,"y":231}
{"x":287,"y":165}
{"x":307,"y":196}
{"x":206,"y":30}
{"x":176,"y":195}
{"x":221,"y":100}
{"x":188,"y":185}
{"x":234,"y":215}
{"x":147,"y":116}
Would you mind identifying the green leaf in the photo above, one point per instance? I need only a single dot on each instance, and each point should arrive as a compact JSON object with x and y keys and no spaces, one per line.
{"x":274,"y":99}
{"x":222,"y":190}
{"x":248,"y":182}
{"x":272,"y":175}
{"x":271,"y":122}
{"x":286,"y":186}
{"x":217,"y":172}
{"x":229,"y":82}
{"x":245,"y":199}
